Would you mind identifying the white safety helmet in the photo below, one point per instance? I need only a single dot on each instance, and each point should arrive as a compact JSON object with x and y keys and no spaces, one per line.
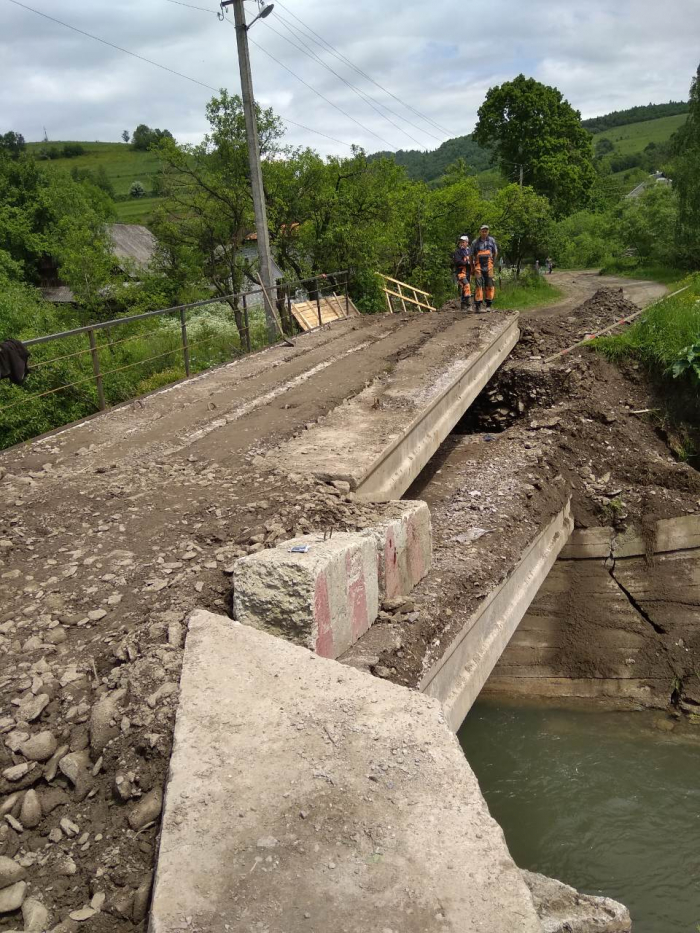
{"x":463,"y":238}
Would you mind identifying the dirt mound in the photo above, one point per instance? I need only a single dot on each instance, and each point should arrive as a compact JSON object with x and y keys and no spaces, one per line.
{"x":555,"y":331}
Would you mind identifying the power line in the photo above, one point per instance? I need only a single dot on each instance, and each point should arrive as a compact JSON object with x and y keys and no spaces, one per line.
{"x":295,"y":75}
{"x":149,"y":61}
{"x":364,"y":74}
{"x":361,"y":94}
{"x":319,"y":94}
{"x":298,"y":34}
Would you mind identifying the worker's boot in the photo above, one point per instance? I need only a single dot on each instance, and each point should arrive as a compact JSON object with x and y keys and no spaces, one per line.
{"x":478,"y":307}
{"x":465,"y":304}
{"x":488,"y":305}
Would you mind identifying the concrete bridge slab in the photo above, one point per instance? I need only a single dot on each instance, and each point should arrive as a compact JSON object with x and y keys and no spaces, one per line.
{"x":306,"y":796}
{"x":380,"y":440}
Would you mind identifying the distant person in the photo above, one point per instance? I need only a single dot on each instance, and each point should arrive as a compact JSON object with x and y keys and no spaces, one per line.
{"x":550,"y":266}
{"x":462,"y":261}
{"x":537,"y":266}
{"x":484,"y":257}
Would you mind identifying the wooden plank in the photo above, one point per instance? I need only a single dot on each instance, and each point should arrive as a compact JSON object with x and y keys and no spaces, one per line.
{"x":306,"y":313}
{"x":420,"y":304}
{"x":396,"y":282}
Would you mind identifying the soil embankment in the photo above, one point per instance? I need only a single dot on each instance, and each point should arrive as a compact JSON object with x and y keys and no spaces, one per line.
{"x":538,"y":435}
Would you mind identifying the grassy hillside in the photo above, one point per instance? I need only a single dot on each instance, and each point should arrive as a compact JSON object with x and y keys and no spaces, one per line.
{"x":122,"y":164}
{"x":628,"y":138}
{"x":636,"y":136}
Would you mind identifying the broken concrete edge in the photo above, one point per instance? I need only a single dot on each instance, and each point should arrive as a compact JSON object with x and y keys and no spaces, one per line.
{"x":458,"y":677}
{"x":324,"y":594}
{"x":563,"y":909}
{"x":401,"y":463}
{"x":281,"y":761}
{"x":670,"y":534}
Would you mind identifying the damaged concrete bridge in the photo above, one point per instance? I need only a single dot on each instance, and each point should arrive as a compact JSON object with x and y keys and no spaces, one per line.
{"x":293,"y":568}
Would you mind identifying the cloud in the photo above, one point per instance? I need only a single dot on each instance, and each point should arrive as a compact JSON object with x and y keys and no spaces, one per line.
{"x":440,"y":59}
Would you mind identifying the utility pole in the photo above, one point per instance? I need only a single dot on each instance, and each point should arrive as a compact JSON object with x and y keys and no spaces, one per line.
{"x":256,"y":179}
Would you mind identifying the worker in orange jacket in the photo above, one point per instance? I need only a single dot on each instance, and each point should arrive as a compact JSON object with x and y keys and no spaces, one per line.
{"x":484,"y":256}
{"x":462,"y":261}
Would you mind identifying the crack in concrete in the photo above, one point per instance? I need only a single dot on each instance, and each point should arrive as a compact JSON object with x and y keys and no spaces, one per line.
{"x":638,"y":608}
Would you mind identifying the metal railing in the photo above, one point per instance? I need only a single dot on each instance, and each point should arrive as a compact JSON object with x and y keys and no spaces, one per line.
{"x":284,"y":294}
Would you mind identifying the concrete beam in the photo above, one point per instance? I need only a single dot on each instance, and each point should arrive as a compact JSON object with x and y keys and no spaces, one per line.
{"x":382,"y":439}
{"x":327,"y":597}
{"x":457,"y":678}
{"x":305,"y":797}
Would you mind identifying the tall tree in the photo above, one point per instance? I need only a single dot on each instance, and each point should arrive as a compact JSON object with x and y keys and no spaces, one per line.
{"x":686,"y":178}
{"x":208,"y":210}
{"x":534,"y":130}
{"x":522,"y":222}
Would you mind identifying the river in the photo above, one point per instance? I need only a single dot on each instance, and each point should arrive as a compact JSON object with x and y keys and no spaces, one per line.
{"x":608,"y":802}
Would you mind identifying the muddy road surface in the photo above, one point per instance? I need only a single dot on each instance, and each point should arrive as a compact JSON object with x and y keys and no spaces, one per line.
{"x":115,"y":529}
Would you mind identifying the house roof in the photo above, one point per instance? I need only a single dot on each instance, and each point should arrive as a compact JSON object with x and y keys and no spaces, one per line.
{"x":59,"y":294}
{"x":132,"y":242}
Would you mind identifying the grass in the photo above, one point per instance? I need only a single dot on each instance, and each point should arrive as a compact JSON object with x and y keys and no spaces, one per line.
{"x":665,"y":275}
{"x":658,"y":338}
{"x":636,"y":136}
{"x":136,"y":210}
{"x":122,"y":164}
{"x":529,"y":291}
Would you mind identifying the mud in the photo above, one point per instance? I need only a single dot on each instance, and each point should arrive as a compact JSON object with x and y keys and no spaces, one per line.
{"x":115,"y":529}
{"x":538,"y":435}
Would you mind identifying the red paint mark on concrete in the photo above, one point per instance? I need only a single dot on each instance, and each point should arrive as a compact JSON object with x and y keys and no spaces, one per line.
{"x":357,"y":596}
{"x":415,"y":552}
{"x":322,"y":612}
{"x":392,"y":577}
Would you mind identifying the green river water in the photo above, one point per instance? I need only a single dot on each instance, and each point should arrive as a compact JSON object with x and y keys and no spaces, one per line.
{"x":608,"y":802}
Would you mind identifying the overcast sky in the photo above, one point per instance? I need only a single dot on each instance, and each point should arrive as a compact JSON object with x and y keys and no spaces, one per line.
{"x":438,"y":57}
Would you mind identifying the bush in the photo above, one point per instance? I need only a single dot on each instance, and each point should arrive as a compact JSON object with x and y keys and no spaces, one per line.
{"x":72,"y":150}
{"x":137,"y":190}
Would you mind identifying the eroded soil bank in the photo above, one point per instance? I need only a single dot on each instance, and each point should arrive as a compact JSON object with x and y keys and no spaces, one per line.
{"x":538,"y":435}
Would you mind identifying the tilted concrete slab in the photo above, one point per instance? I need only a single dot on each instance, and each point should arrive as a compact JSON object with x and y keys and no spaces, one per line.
{"x":306,"y":796}
{"x":380,"y":440}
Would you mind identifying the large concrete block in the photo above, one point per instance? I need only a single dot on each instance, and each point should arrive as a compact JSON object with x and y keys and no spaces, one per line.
{"x":305,"y":797}
{"x":324,"y":599}
{"x":404,"y":549}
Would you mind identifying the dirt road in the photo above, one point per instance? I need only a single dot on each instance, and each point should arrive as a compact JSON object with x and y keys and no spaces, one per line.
{"x":114,"y":530}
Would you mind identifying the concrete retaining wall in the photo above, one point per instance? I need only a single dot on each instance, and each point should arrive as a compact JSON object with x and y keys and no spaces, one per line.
{"x":585,"y":636}
{"x":460,"y":674}
{"x":326,"y":598}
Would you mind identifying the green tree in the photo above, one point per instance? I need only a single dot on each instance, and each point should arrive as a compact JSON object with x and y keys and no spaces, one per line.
{"x":208,"y":210}
{"x":13,"y":144}
{"x":522,"y":222}
{"x":126,"y":136}
{"x":603,"y":147}
{"x":530,"y":126}
{"x":686,"y":178}
{"x":137,"y":190}
{"x":646,"y":225}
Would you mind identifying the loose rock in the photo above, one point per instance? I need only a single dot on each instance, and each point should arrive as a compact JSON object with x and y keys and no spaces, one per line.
{"x":146,"y":810}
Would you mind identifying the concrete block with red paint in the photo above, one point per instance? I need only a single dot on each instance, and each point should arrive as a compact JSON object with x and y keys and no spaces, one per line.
{"x":404,"y":549}
{"x":324,"y":599}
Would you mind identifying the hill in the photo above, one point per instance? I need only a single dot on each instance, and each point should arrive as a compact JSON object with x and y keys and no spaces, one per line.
{"x":630,"y":132}
{"x":635,"y":137}
{"x":636,"y":115}
{"x":122,"y":166}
